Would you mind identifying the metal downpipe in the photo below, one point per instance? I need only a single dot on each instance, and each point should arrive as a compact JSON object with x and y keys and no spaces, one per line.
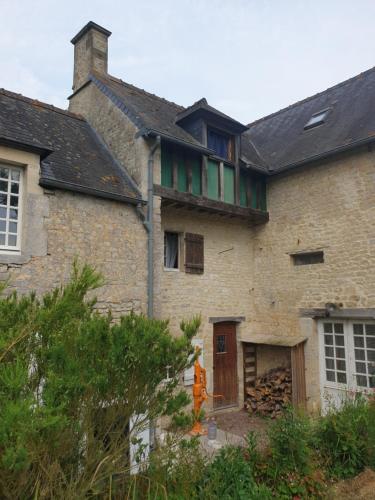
{"x":149,"y":223}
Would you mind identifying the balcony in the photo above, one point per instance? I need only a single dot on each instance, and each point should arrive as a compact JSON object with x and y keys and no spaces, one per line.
{"x":174,"y":198}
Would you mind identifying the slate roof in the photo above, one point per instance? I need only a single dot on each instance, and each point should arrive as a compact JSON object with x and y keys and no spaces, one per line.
{"x":202,"y":107}
{"x":145,"y":110}
{"x":73,"y":156}
{"x":275,"y":142}
{"x":282,"y":142}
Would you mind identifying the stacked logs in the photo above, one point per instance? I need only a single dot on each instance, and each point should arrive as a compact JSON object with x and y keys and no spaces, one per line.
{"x":272,"y":392}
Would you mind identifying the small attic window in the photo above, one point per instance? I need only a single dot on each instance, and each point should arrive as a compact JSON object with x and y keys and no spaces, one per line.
{"x":316,"y":119}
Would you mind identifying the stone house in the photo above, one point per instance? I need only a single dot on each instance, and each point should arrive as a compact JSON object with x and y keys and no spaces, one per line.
{"x":267,"y":229}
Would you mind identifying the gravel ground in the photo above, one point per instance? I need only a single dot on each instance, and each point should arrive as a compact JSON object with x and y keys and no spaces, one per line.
{"x":240,"y":423}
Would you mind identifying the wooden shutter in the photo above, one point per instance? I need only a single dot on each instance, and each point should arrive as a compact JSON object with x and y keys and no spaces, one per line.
{"x":194,"y":253}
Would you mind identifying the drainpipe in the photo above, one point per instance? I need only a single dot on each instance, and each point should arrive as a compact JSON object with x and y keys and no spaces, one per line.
{"x":149,"y":224}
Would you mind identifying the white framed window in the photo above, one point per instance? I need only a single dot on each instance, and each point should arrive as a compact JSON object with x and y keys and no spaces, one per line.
{"x":10,"y":208}
{"x":347,"y":358}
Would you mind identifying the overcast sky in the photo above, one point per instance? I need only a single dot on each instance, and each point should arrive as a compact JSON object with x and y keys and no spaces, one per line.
{"x":247,"y":57}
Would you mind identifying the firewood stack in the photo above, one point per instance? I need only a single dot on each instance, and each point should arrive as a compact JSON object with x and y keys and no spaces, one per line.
{"x":272,"y":392}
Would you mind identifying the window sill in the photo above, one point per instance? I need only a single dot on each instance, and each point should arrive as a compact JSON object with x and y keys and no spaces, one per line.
{"x":13,"y":258}
{"x":171,"y":270}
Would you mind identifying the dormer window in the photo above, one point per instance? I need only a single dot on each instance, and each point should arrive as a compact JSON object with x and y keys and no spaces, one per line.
{"x":316,"y":119}
{"x":221,"y":143}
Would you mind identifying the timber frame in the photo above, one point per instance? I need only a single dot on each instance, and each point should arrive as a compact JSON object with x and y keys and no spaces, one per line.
{"x":173,"y":198}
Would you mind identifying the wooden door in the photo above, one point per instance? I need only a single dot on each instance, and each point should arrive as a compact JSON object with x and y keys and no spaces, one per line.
{"x":225,"y":364}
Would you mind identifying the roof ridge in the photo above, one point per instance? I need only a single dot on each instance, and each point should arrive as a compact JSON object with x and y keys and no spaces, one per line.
{"x":306,"y":99}
{"x":50,"y":107}
{"x":171,"y":103}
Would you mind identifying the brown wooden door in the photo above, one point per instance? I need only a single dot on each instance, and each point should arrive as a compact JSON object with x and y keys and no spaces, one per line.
{"x":225,"y":364}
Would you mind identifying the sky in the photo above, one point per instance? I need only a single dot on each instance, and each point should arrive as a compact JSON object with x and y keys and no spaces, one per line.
{"x":249,"y":58}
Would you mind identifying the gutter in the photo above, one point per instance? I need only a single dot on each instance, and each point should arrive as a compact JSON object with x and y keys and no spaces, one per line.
{"x":70,"y":186}
{"x":149,"y":225}
{"x":322,"y":156}
{"x":40,"y":149}
{"x":149,"y":132}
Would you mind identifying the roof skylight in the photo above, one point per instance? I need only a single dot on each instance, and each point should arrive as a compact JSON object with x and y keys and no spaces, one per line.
{"x":316,"y":119}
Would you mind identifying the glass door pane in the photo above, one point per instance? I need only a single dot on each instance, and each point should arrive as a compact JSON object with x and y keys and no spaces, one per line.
{"x":364,"y":355}
{"x":334,"y":353}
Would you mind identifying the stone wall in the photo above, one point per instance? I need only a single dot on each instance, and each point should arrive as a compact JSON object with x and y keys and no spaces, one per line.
{"x":62,"y":225}
{"x":271,"y":356}
{"x":116,"y":130}
{"x":224,"y":289}
{"x":330,"y":206}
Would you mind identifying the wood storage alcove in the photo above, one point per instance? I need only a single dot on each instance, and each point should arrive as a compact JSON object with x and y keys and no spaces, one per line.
{"x":274,"y":374}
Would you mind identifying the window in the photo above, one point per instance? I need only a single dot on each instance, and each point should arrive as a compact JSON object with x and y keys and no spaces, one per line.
{"x":348,"y":354}
{"x":364,"y":354}
{"x":221,"y":344}
{"x":335,"y":353}
{"x":306,"y":258}
{"x":10,"y":208}
{"x":221,"y":144}
{"x":171,"y":241}
{"x":177,"y":167}
{"x":316,"y":119}
{"x":194,"y":253}
{"x":252,"y":191}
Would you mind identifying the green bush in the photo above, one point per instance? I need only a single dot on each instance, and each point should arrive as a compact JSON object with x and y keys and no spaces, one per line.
{"x":231,"y":476}
{"x":290,"y":467}
{"x":70,"y":382}
{"x":289,"y":438}
{"x":345,"y":437}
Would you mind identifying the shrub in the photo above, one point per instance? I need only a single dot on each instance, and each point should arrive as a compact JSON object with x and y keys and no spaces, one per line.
{"x":290,"y":468}
{"x":71,"y":382}
{"x":231,"y":476}
{"x":289,"y":438}
{"x":345,"y":437}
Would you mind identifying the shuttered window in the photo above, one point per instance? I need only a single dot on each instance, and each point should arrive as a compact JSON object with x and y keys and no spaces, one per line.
{"x":182,"y":180}
{"x":194,"y":253}
{"x":228,"y":184}
{"x":196,"y":177}
{"x":166,"y":167}
{"x":213,"y":180}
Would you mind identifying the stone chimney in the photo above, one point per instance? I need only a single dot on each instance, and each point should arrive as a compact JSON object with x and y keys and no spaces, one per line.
{"x":90,"y":53}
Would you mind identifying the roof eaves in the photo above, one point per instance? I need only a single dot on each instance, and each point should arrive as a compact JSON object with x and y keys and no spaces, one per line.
{"x":321,"y":156}
{"x":203,"y":107}
{"x":146,"y":132}
{"x":253,"y":166}
{"x":40,"y":149}
{"x":117,"y":101}
{"x":48,"y":182}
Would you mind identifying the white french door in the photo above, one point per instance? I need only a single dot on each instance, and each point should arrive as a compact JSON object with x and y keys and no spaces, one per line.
{"x":347,"y":359}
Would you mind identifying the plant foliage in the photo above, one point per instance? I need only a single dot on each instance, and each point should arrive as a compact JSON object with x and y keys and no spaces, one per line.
{"x":74,"y":385}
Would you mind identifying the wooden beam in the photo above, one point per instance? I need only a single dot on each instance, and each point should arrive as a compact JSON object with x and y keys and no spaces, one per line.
{"x":212,"y":206}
